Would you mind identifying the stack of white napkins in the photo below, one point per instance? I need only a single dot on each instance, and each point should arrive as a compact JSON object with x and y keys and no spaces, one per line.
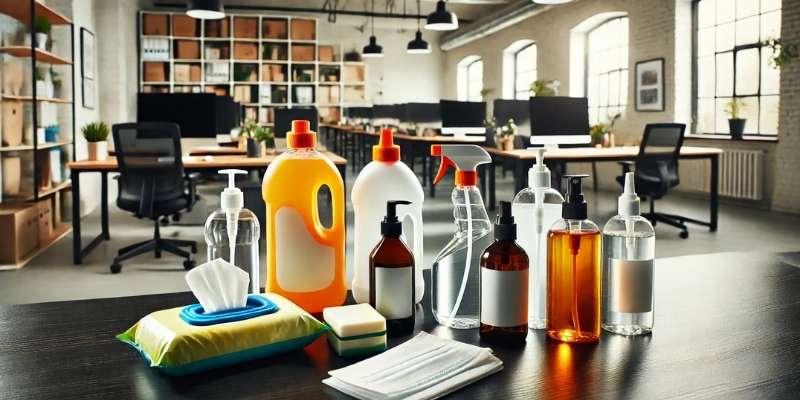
{"x":425,"y":367}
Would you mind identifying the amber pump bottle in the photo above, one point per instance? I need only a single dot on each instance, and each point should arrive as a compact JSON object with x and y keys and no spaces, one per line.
{"x":574,"y":271}
{"x":504,"y":284}
{"x":391,"y":275}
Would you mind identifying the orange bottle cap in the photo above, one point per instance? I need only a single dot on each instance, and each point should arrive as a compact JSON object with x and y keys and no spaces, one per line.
{"x":301,"y":136}
{"x":386,"y":150}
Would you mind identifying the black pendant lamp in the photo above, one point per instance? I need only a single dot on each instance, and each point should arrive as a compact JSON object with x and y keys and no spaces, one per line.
{"x":441,"y":19}
{"x":373,"y":49}
{"x":418,"y":45}
{"x":205,"y":9}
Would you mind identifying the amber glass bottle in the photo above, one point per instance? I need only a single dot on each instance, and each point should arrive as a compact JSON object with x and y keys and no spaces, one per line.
{"x":504,"y":284}
{"x":574,"y":272}
{"x":391,"y":276}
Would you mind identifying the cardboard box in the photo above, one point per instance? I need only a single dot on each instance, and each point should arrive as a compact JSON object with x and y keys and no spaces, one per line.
{"x":154,"y":72}
{"x":155,"y":24}
{"x":245,"y":27}
{"x":274,"y":29}
{"x":187,"y":49}
{"x":326,"y":53}
{"x":181,"y":73}
{"x":218,"y":28}
{"x":194,"y":73}
{"x":245,"y":51}
{"x":45,"y":211}
{"x":12,"y":174}
{"x":184,"y":25}
{"x":304,"y":29}
{"x":19,"y":226}
{"x":12,"y":122}
{"x":302,"y":52}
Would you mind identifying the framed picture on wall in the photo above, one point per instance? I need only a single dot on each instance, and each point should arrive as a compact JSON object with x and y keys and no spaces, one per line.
{"x":87,"y":54}
{"x":88,"y":93}
{"x":650,"y":85}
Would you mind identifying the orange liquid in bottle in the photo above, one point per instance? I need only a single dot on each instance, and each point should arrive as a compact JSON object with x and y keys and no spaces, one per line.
{"x":573,"y":285}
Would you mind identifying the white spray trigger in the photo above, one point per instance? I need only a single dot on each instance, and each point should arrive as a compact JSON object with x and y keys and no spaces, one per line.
{"x":232,"y":196}
{"x":628,"y":201}
{"x":539,"y":174}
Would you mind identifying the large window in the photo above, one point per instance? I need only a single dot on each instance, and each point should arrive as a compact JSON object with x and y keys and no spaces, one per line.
{"x":524,"y":71}
{"x":732,"y":63}
{"x":607,"y":69}
{"x":470,"y":79}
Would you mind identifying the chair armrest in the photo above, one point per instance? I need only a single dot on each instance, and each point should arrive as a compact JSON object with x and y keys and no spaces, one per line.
{"x":663,"y":175}
{"x":191,"y":184}
{"x":147,"y":198}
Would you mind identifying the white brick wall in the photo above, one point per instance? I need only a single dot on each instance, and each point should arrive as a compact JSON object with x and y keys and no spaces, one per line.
{"x":787,"y":158}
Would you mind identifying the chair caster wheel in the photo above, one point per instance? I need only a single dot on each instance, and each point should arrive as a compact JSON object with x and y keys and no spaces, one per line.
{"x":194,"y":249}
{"x":188,"y":264}
{"x":164,"y":221}
{"x":684,"y":234}
{"x":176,"y":217}
{"x":158,"y":254}
{"x":116,"y":268}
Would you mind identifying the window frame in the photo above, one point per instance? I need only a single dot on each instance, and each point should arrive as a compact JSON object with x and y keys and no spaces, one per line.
{"x":586,"y":57}
{"x":515,"y":72}
{"x":467,"y":68}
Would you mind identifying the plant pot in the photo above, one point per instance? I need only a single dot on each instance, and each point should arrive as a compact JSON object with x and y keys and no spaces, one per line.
{"x":507,"y":143}
{"x":41,"y":41}
{"x":98,"y":151}
{"x":253,"y":148}
{"x":736,"y":126}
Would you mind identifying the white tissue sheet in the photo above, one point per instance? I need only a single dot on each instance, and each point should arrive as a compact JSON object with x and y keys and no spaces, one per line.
{"x":425,"y":367}
{"x":219,"y":285}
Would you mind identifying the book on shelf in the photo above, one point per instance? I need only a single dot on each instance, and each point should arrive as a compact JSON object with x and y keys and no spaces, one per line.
{"x":155,"y":49}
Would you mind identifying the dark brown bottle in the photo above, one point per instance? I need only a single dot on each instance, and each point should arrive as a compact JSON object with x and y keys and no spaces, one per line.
{"x":391,"y":275}
{"x":504,"y":284}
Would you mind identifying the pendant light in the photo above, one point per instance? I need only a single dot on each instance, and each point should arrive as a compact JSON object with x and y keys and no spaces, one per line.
{"x":205,"y":9}
{"x":418,"y":45}
{"x":441,"y":19}
{"x":373,"y":49}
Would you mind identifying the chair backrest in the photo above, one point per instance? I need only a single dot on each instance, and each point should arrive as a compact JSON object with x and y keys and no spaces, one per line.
{"x":149,"y":153}
{"x":660,"y":147}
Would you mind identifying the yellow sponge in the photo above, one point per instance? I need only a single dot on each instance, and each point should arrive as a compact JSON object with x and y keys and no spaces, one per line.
{"x":355,"y":329}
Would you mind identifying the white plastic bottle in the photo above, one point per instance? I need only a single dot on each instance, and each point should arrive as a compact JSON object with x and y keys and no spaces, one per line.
{"x":232,"y":232}
{"x":535,"y":209}
{"x":384,"y":179}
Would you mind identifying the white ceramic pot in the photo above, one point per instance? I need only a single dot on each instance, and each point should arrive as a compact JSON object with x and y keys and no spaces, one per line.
{"x":98,"y":151}
{"x":41,"y":41}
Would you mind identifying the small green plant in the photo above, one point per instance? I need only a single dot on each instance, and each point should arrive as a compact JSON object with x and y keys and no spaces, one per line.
{"x":249,"y":128}
{"x":509,"y":129}
{"x":733,"y":107}
{"x":264,"y":135}
{"x":95,"y":131}
{"x":541,"y":87}
{"x":598,"y":130}
{"x":39,"y":74}
{"x":41,"y":25}
{"x":782,"y":53}
{"x":485,"y":92}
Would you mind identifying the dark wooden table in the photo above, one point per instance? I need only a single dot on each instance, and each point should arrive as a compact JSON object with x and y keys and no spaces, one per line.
{"x":727,"y":326}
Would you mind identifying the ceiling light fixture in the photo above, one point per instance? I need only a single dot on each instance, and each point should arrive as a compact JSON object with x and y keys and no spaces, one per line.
{"x":373,"y":49}
{"x":441,"y":19}
{"x":205,"y":9}
{"x":418,"y":45}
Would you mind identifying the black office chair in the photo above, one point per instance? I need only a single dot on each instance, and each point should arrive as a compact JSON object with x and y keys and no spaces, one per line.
{"x":152,"y":184}
{"x":657,"y":170}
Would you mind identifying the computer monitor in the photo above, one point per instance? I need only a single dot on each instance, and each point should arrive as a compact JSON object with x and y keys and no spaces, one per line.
{"x":518,"y":110}
{"x":199,"y":115}
{"x":463,"y":117}
{"x":559,"y":120}
{"x":358,"y":112}
{"x":383,"y":111}
{"x":422,"y":112}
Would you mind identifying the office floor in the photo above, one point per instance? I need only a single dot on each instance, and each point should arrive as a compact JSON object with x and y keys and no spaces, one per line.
{"x":52,"y":277}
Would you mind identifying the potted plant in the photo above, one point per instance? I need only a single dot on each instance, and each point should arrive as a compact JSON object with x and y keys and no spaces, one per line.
{"x":782,"y":53}
{"x":601,"y":132}
{"x":491,"y":130}
{"x":96,"y":133}
{"x":249,"y":133}
{"x":506,"y":135}
{"x":542,"y":87}
{"x":42,"y":27}
{"x":735,"y":124}
{"x":57,"y":85}
{"x":44,"y":86}
{"x":264,"y":136}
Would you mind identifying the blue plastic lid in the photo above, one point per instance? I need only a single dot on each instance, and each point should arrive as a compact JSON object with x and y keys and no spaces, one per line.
{"x":256,"y":306}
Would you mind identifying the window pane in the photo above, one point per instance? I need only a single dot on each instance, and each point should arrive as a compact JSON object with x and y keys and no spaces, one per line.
{"x":705,"y":77}
{"x":770,"y":77}
{"x":747,"y":78}
{"x":749,"y":110}
{"x":725,"y":11}
{"x":747,"y":31}
{"x":591,"y":91}
{"x":721,"y":120}
{"x":602,"y":90}
{"x":725,"y":37}
{"x":746,"y":8}
{"x":623,"y":88}
{"x":771,"y":25}
{"x":592,"y":115}
{"x":725,"y":74}
{"x":705,"y":42}
{"x":768,"y":124}
{"x":770,"y":5}
{"x":613,"y":88}
{"x":705,"y":116}
{"x":706,"y":13}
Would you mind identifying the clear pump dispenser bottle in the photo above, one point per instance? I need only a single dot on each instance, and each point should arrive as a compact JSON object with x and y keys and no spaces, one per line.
{"x":535,"y":210}
{"x":629,"y":243}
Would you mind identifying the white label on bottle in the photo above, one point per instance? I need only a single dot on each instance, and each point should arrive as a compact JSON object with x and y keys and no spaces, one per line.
{"x":393,"y":292}
{"x":631,"y":286}
{"x":504,"y":297}
{"x":302,"y":263}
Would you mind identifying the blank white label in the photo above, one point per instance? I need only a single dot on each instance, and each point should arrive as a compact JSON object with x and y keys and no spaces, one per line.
{"x":504,"y":297}
{"x":302,"y":263}
{"x":631,"y":286}
{"x":393,"y":292}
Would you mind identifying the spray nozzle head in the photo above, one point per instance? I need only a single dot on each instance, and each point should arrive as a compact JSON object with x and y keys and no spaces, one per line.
{"x":232,"y":196}
{"x":539,"y":174}
{"x":574,"y":207}
{"x":464,"y":157}
{"x":391,"y":226}
{"x":505,"y":228}
{"x":628,"y":201}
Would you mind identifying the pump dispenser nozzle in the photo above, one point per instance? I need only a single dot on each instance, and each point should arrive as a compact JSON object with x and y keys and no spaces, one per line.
{"x":574,"y":206}
{"x":628,"y":201}
{"x":505,"y":228}
{"x":232,"y":201}
{"x":391,"y":226}
{"x":539,"y":174}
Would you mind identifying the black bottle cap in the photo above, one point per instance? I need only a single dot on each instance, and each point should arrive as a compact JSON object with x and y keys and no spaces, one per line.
{"x":391,"y":226}
{"x":505,"y":228}
{"x":574,"y":207}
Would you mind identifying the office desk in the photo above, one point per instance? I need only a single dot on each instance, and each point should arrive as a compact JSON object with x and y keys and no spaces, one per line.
{"x":217,"y":151}
{"x":190,"y":164}
{"x":525,"y":159}
{"x":726,"y":326}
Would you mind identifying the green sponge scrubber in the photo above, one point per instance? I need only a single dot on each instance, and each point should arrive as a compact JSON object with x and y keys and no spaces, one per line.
{"x":355,"y":329}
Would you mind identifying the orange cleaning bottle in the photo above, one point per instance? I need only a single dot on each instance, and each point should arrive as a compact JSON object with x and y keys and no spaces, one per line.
{"x":305,"y":260}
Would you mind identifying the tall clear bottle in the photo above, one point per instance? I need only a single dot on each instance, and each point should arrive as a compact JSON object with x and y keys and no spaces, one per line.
{"x":629,"y":243}
{"x":232,"y":232}
{"x":455,"y":274}
{"x":535,"y":209}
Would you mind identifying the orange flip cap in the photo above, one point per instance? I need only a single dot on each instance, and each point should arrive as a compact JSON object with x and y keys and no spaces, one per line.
{"x":386,"y":150}
{"x":301,"y":136}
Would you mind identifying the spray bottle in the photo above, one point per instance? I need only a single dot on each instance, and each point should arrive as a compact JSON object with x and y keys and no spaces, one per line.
{"x":573,"y":271}
{"x":629,"y":243}
{"x":455,"y":273}
{"x":535,"y":209}
{"x":232,"y":231}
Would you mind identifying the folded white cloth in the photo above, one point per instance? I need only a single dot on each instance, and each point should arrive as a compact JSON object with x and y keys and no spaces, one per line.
{"x":425,"y":367}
